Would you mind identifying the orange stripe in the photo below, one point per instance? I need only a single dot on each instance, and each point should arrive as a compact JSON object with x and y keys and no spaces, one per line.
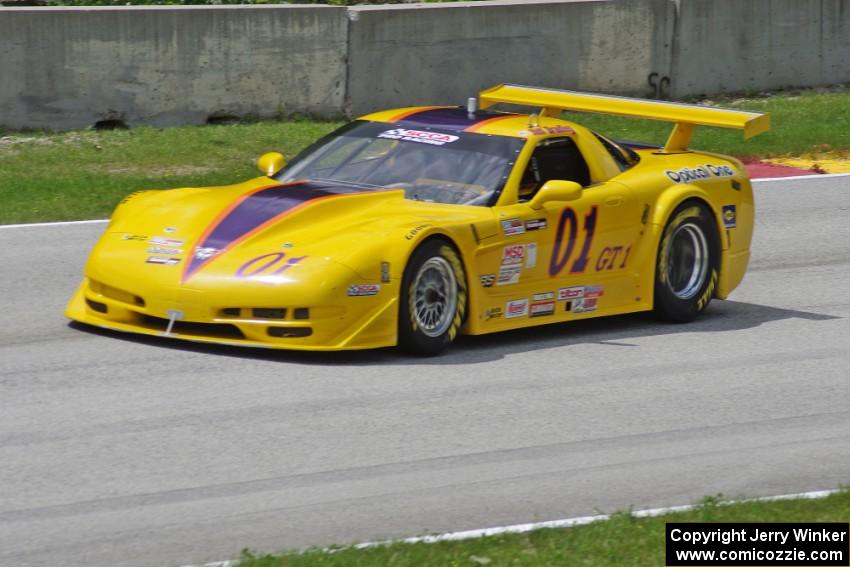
{"x":416,"y":110}
{"x":483,"y":123}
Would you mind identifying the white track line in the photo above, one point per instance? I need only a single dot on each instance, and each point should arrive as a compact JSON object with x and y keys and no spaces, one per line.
{"x":813,"y":176}
{"x":95,"y":221}
{"x":564,"y":523}
{"x":62,"y":223}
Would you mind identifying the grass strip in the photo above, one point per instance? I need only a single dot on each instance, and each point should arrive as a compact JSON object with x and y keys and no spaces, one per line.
{"x":83,"y":174}
{"x":621,"y":541}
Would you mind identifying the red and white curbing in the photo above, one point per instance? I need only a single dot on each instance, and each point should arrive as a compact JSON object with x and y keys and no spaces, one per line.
{"x":564,"y":523}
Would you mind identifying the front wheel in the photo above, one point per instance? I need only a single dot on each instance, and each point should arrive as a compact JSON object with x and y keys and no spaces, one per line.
{"x":688,"y":260}
{"x":433,"y":299}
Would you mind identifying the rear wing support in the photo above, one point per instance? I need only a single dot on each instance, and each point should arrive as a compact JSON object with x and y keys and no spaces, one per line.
{"x":685,"y":116}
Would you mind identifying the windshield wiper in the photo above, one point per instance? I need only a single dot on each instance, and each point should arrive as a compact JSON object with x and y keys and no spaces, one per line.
{"x":344,"y":182}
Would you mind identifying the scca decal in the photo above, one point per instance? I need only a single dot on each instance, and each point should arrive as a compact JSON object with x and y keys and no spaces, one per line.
{"x":561,"y":250}
{"x":267,"y":265}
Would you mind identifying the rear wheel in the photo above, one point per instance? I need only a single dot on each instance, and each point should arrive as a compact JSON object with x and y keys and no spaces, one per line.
{"x":433,"y":299}
{"x":687,"y":268}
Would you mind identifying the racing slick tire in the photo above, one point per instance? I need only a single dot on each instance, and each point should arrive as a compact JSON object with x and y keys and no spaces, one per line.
{"x":433,"y":299}
{"x":687,"y":266}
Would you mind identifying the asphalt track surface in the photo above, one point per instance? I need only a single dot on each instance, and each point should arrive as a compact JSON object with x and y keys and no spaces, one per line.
{"x":117,"y":450}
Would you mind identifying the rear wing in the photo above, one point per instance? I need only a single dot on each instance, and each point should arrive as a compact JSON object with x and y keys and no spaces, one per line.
{"x":685,"y":116}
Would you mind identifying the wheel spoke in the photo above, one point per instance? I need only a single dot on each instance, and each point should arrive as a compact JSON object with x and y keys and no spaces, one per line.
{"x":435,"y":296}
{"x":687,"y":267}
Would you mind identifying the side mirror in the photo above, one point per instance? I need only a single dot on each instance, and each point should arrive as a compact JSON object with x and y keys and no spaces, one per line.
{"x":271,"y":163}
{"x":556,"y":190}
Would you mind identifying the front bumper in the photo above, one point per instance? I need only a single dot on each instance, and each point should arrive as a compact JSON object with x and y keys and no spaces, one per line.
{"x":355,"y":323}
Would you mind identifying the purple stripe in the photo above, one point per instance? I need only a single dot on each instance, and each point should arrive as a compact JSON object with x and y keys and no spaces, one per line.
{"x":453,"y":119}
{"x":257,"y":209}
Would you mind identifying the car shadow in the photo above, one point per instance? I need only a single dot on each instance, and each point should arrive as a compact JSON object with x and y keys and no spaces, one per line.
{"x":616,"y":331}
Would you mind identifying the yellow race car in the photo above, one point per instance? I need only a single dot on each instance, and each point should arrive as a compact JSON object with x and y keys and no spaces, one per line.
{"x":410,"y":226}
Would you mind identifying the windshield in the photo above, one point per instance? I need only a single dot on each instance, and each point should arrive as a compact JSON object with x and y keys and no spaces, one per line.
{"x":440,"y":166}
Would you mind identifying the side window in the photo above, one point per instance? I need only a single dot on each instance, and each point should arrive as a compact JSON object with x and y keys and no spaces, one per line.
{"x":623,"y":158}
{"x":555,"y":158}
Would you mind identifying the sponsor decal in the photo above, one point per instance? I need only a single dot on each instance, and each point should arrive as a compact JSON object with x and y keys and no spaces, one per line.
{"x":164,"y":250}
{"x":588,"y":300}
{"x":707,"y":171}
{"x":420,"y":136}
{"x":542,"y":309}
{"x":542,"y":130}
{"x":567,"y":293}
{"x":162,"y":260}
{"x":593,"y":291}
{"x":509,"y":274}
{"x":512,"y":227}
{"x":548,"y":296}
{"x":415,"y":231}
{"x":531,"y":255}
{"x":358,"y":290}
{"x":516,"y":308}
{"x":513,"y":254}
{"x":140,"y":237}
{"x":165,"y":241}
{"x":493,"y":313}
{"x":584,"y":305}
{"x":487,"y":280}
{"x":535,"y":224}
{"x":730,"y":216}
{"x":202,"y":253}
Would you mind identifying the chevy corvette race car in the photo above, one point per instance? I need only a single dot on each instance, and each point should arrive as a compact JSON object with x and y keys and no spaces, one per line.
{"x":410,"y":226}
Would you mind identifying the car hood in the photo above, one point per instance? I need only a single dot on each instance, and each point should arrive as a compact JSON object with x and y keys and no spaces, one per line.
{"x":257,"y":231}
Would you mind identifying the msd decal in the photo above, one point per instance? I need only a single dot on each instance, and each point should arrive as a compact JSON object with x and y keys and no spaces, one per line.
{"x":516,"y":308}
{"x":421,"y":136}
{"x":513,"y":254}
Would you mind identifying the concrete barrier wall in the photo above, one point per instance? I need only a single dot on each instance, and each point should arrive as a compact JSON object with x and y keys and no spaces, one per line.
{"x":443,"y":53}
{"x":739,"y":45}
{"x":64,"y":68}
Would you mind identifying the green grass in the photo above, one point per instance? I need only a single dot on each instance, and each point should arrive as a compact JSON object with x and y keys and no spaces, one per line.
{"x":81,"y":175}
{"x":622,"y":541}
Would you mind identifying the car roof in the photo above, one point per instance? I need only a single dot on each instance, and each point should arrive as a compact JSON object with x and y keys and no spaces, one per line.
{"x":458,"y":119}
